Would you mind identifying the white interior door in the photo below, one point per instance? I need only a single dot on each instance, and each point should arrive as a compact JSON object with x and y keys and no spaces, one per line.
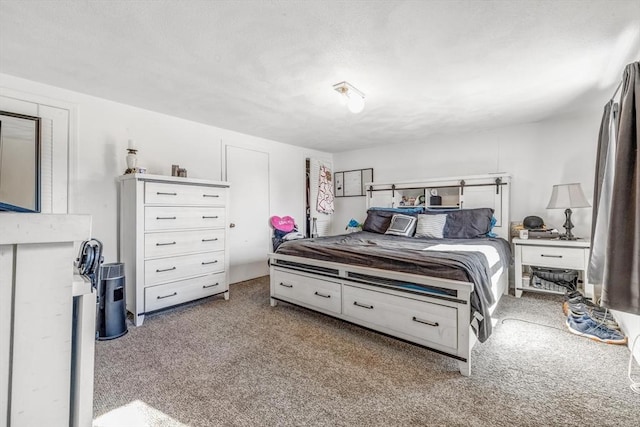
{"x":250,"y":234}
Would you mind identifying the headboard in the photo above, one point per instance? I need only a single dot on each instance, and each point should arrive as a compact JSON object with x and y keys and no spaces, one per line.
{"x":462,"y":192}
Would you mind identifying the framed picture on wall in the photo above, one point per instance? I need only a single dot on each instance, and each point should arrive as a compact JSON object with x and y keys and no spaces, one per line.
{"x":352,"y":183}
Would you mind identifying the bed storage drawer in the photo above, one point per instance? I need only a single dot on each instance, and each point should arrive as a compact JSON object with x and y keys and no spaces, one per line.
{"x":412,"y":318}
{"x":544,"y":256}
{"x":182,"y":242}
{"x":161,"y":296}
{"x":308,"y":291}
{"x":176,"y":194}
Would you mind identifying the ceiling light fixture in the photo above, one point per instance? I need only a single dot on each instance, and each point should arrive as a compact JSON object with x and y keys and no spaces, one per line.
{"x":351,"y":96}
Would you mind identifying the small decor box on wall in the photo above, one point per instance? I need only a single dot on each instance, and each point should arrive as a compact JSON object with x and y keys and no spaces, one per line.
{"x":351,"y":183}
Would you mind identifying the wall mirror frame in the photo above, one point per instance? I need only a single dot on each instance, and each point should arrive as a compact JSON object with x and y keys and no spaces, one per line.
{"x":19,"y":162}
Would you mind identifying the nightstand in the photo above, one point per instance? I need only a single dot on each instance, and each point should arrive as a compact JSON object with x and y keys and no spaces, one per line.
{"x":561,"y":254}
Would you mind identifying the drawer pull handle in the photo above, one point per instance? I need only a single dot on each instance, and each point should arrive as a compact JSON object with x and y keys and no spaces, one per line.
{"x":167,"y":296}
{"x":165,"y":244}
{"x":286,"y":285}
{"x":160,"y":193}
{"x":165,"y":217}
{"x":322,"y":295}
{"x":426,"y":322}
{"x":367,"y":306}
{"x":210,"y":195}
{"x":209,"y":240}
{"x":210,"y":286}
{"x":209,"y":262}
{"x":551,"y":256}
{"x":164,"y":269}
{"x":209,"y":217}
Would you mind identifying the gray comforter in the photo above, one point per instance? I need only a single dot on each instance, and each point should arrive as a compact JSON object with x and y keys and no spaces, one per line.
{"x":407,"y":254}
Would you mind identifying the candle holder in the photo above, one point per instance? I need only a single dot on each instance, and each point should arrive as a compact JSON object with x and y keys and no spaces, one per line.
{"x":132,"y":160}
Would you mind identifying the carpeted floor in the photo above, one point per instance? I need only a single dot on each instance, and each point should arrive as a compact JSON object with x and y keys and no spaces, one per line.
{"x":243,"y":363}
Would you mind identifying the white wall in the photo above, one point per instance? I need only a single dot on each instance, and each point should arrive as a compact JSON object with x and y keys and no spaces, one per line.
{"x":104,"y":128}
{"x":537,"y":155}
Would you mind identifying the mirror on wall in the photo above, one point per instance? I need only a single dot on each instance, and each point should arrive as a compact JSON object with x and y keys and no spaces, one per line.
{"x":19,"y":162}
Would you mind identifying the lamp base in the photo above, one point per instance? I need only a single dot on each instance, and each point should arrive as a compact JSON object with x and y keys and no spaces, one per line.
{"x":567,"y":237}
{"x":568,"y":226}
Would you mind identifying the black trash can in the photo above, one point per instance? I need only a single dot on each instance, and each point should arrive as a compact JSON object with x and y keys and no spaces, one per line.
{"x":111,"y":319}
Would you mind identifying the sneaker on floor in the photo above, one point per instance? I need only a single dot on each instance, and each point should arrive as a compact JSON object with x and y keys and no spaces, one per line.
{"x":604,"y":317}
{"x":585,"y":326}
{"x":598,"y":314}
{"x":578,"y":304}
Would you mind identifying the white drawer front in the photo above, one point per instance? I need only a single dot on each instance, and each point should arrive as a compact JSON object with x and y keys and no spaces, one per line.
{"x":161,"y":296}
{"x":177,"y":194}
{"x":422,"y":320}
{"x":553,"y":257}
{"x":182,"y":242}
{"x":308,"y":291}
{"x":167,"y":269}
{"x":172,"y":218}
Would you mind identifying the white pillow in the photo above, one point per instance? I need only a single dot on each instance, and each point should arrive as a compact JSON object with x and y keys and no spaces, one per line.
{"x":402,"y":225}
{"x":431,"y":226}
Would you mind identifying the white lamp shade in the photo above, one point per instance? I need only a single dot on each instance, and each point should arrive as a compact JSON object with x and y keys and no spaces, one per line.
{"x":567,"y":196}
{"x":356,"y":103}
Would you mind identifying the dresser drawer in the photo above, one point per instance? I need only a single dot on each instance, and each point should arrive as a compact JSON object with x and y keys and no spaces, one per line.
{"x":182,"y":242}
{"x":307,"y":291}
{"x":161,"y":296}
{"x":179,"y":217}
{"x":177,"y":194}
{"x":546,"y":256}
{"x":421,"y":320}
{"x":178,"y":267}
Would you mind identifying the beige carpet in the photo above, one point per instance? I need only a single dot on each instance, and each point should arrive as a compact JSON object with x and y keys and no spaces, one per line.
{"x":243,"y":363}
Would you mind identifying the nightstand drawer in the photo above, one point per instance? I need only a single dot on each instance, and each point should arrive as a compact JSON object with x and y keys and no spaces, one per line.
{"x":547,"y":256}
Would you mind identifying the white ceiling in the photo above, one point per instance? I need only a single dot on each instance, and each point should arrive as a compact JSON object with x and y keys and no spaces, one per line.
{"x":267,"y":68}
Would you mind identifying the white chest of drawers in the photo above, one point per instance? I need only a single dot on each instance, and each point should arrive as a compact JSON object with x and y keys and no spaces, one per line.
{"x":173,"y":240}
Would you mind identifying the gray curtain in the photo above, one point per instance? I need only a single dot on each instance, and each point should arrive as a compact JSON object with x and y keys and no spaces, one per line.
{"x":602,"y":190}
{"x":621,"y":272}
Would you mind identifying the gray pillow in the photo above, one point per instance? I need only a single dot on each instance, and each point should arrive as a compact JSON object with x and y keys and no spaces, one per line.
{"x":468,"y":223}
{"x":377,"y":221}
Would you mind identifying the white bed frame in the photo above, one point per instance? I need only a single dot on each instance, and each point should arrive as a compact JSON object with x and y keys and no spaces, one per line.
{"x":367,"y":297}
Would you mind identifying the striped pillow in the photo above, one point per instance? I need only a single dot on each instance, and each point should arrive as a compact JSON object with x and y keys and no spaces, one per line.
{"x":431,"y":226}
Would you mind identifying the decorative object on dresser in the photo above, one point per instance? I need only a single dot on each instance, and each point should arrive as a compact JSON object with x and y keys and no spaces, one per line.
{"x":173,"y":240}
{"x":567,"y":196}
{"x":132,"y":158}
{"x":554,"y":254}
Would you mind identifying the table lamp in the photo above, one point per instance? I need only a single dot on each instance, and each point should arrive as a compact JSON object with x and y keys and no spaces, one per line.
{"x":567,"y":196}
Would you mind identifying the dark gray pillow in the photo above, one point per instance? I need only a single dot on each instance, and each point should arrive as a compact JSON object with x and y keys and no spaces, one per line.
{"x":377,"y":221}
{"x":468,"y":223}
